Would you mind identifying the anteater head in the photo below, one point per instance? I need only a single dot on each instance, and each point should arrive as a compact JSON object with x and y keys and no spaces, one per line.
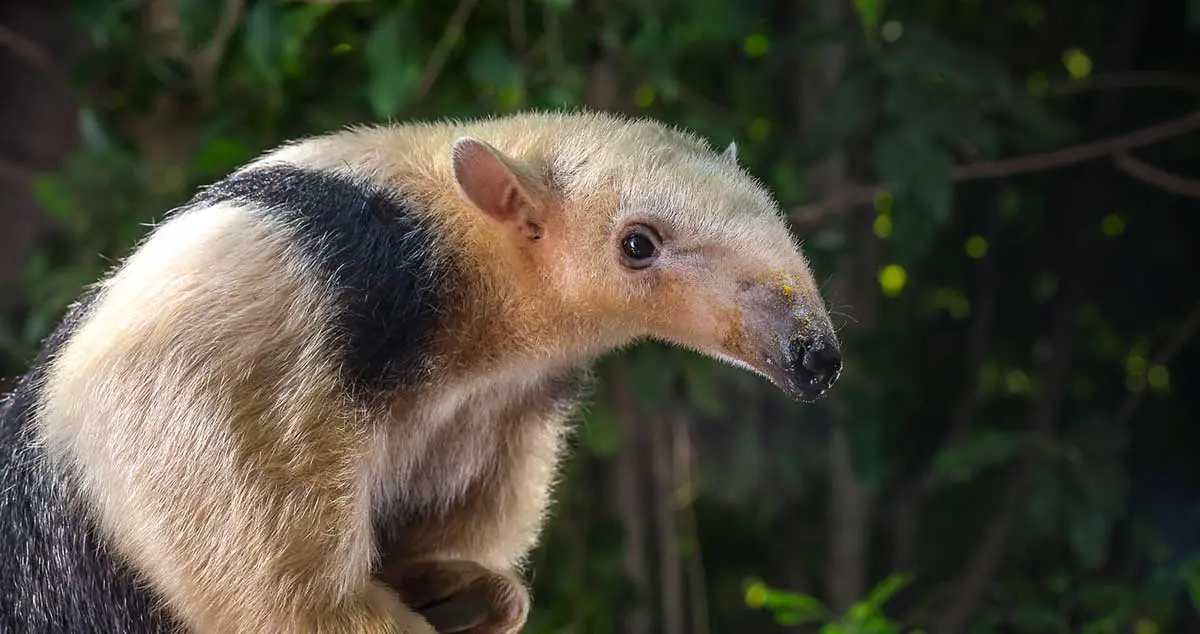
{"x":633,"y":230}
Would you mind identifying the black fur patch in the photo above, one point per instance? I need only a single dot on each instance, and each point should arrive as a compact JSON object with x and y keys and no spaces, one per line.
{"x":55,"y":576}
{"x":378,"y":257}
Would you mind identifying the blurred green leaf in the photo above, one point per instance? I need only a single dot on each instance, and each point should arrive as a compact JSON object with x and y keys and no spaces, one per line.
{"x":916,"y":170}
{"x":1044,"y":504}
{"x":92,"y":129}
{"x":1088,"y":534}
{"x":197,"y":21}
{"x":394,"y":75}
{"x":786,"y":607}
{"x":976,"y":451}
{"x":298,"y":24}
{"x":600,"y":430}
{"x":869,"y":13}
{"x":1032,"y":617}
{"x":703,"y":387}
{"x":492,"y":68}
{"x":53,"y":197}
{"x":651,"y":375}
{"x":1189,"y":572}
{"x":220,"y":155}
{"x":886,"y":589}
{"x":262,"y":40}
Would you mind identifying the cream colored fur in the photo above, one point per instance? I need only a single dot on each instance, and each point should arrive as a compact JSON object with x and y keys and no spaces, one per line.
{"x":199,"y":404}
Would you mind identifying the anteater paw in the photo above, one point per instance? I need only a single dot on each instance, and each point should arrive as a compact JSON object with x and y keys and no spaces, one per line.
{"x":463,"y":597}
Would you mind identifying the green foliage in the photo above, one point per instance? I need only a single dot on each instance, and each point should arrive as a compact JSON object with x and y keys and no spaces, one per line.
{"x":863,"y":617}
{"x":1067,"y":602}
{"x":394,"y":72}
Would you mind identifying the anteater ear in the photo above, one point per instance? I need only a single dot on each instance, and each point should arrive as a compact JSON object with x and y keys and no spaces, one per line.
{"x":730,"y":153}
{"x":495,"y":184}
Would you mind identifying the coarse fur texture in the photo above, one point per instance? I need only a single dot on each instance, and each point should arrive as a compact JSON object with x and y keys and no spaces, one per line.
{"x":56,"y":576}
{"x":360,"y":353}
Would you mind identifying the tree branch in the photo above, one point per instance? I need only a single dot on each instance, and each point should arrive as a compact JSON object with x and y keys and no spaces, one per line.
{"x":1156,"y":177}
{"x":516,"y":26}
{"x":1079,"y":153}
{"x":1132,"y":79}
{"x":206,"y":61}
{"x":629,"y":492}
{"x":441,"y":50}
{"x":13,"y":171}
{"x":697,"y":584}
{"x":1038,"y":162}
{"x":27,"y":50}
{"x":664,"y":474}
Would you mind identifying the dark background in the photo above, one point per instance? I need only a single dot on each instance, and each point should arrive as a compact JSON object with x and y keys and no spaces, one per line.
{"x":996,"y":198}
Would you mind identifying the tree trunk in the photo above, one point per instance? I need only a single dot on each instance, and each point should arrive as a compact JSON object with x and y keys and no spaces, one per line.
{"x":629,"y":502}
{"x":40,"y":119}
{"x":670,"y":571}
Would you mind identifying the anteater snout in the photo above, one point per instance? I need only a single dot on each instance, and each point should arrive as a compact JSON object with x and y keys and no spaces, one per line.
{"x":815,"y":365}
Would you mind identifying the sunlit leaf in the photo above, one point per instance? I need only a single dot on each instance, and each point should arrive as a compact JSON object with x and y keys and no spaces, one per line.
{"x":869,"y":13}
{"x":1144,"y":625}
{"x":886,"y":589}
{"x":892,"y":279}
{"x":786,"y":607}
{"x":755,"y":594}
{"x":1078,"y":63}
{"x":756,"y":45}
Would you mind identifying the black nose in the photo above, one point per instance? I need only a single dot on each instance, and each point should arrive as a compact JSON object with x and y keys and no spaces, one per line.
{"x":816,"y":364}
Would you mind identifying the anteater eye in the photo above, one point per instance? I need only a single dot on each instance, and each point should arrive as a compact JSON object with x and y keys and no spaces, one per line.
{"x":639,"y":248}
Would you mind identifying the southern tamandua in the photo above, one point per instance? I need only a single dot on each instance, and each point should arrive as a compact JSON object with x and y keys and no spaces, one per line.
{"x":360,"y":353}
